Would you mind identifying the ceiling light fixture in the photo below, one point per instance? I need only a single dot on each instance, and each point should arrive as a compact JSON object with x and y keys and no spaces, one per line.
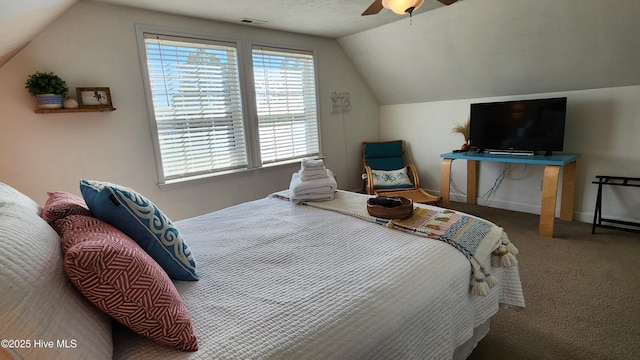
{"x":402,"y":6}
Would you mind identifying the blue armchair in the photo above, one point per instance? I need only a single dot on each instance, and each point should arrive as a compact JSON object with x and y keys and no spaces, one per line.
{"x":386,"y":172}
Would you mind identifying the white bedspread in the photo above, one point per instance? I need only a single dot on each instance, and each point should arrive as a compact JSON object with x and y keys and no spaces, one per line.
{"x":282,"y":281}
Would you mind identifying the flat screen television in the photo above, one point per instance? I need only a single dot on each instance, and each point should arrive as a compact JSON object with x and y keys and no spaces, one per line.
{"x":522,"y":126}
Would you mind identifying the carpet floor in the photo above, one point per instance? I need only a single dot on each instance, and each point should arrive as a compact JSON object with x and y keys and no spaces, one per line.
{"x":582,"y":292}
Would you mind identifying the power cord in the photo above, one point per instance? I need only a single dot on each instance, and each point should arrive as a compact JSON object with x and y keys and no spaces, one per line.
{"x":524,"y":175}
{"x":505,"y":173}
{"x":458,"y":191}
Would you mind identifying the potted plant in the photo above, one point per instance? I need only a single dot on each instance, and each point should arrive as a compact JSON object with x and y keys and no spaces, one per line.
{"x":48,"y":88}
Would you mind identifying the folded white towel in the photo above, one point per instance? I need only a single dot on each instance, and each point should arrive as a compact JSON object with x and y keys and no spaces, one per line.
{"x":306,"y":174}
{"x":311,"y":169}
{"x":316,"y":189}
{"x":312,"y":163}
{"x":313,"y":197}
{"x":297,"y":185}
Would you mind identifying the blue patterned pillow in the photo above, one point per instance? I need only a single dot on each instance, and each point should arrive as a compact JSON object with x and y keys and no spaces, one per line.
{"x":141,"y":220}
{"x":390,"y":179}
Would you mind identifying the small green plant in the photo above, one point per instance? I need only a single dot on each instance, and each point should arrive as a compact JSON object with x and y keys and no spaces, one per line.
{"x":46,"y":83}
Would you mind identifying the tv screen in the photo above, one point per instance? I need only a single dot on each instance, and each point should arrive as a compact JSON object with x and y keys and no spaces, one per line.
{"x":523,"y":125}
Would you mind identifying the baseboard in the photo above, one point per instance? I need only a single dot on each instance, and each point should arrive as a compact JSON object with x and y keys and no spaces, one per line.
{"x":585,"y":217}
{"x":513,"y":206}
{"x":582,"y":216}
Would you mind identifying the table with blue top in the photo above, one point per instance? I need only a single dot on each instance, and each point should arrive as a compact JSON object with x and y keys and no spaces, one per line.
{"x":552,"y":163}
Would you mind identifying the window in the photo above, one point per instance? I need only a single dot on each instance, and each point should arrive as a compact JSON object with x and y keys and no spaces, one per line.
{"x":286,"y":102}
{"x":195,"y":89}
{"x":200,"y":106}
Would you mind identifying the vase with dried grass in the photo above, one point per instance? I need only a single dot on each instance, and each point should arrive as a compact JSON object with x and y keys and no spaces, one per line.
{"x":463,"y":129}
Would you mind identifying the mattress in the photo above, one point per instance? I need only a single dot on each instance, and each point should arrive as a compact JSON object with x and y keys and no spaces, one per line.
{"x":285,"y":281}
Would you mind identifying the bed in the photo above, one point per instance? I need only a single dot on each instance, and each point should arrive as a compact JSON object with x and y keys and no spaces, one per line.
{"x":276,"y":281}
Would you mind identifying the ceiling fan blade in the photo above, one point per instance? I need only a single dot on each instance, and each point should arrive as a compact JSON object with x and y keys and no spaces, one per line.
{"x":373,"y":8}
{"x":447,"y":2}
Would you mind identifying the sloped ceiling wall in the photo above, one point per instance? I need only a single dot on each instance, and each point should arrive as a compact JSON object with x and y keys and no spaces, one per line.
{"x":22,"y":20}
{"x":491,"y":48}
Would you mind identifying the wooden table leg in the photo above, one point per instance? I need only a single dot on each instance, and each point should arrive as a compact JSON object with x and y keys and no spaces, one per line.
{"x":445,"y":180}
{"x":568,"y":191}
{"x":472,"y":181}
{"x":549,"y":194}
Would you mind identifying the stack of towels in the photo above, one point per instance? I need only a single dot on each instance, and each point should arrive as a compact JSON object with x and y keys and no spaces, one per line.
{"x":314,"y":182}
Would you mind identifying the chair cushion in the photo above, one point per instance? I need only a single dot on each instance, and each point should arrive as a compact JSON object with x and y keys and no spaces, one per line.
{"x":391,"y":179}
{"x":383,"y":149}
{"x":386,"y":163}
{"x":386,"y":155}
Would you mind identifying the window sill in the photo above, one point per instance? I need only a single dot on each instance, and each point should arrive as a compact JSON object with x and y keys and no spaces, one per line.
{"x":222,"y":175}
{"x":186,"y":181}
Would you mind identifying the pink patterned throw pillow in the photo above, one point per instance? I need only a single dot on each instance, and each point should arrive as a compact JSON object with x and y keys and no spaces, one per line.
{"x":115,"y":274}
{"x":61,"y":204}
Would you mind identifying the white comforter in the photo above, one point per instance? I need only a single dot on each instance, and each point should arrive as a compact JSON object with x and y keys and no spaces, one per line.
{"x":283,"y":281}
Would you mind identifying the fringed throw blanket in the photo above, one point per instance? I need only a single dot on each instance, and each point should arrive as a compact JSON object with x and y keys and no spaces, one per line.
{"x":475,"y":238}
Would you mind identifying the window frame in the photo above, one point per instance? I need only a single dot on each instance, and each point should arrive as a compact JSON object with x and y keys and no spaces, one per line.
{"x":248,"y":103}
{"x":254,"y":101}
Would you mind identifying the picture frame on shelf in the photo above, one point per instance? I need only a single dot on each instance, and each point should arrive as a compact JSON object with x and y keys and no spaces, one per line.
{"x":94,"y":97}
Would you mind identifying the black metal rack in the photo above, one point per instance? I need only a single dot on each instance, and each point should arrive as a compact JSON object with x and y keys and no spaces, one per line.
{"x":597,"y":216}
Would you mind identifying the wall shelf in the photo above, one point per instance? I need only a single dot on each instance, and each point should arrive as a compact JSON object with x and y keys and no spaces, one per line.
{"x":86,"y":109}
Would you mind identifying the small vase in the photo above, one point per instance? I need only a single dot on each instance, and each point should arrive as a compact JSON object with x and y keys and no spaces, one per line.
{"x":465,"y":147}
{"x":70,"y":103}
{"x":49,"y":101}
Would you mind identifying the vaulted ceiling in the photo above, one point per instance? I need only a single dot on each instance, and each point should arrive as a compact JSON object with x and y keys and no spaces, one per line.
{"x":21,"y":21}
{"x":471,"y":49}
{"x":486,"y":48}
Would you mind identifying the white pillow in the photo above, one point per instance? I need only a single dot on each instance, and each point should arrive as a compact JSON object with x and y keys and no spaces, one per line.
{"x":391,"y":178}
{"x":37,"y":301}
{"x":10,"y":195}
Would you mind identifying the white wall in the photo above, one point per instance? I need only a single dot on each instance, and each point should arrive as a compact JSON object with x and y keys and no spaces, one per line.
{"x":602,"y":124}
{"x":94,"y":44}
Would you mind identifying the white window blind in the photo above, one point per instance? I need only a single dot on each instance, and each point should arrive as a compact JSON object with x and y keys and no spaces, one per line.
{"x":196,"y":96}
{"x":285,"y":89}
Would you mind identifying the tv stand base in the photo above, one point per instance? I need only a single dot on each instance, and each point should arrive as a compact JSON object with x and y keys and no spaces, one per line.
{"x":552,"y":166}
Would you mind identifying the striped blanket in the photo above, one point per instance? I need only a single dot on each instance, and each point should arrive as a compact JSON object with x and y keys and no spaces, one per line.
{"x":475,"y":238}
